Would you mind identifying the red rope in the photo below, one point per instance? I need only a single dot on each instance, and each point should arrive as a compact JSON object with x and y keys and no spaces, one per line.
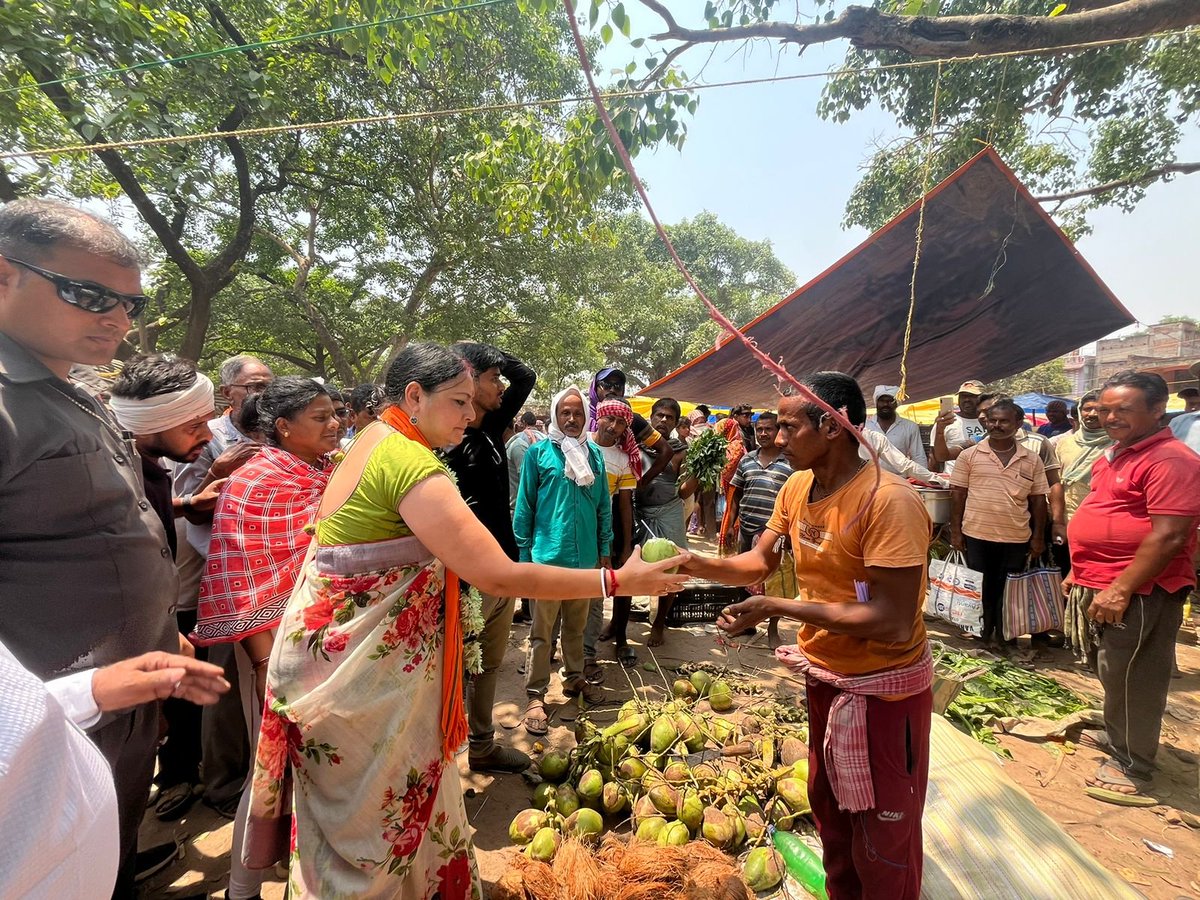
{"x":773,"y":366}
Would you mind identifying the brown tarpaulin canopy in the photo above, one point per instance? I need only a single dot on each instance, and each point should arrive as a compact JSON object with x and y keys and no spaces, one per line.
{"x":1000,"y":289}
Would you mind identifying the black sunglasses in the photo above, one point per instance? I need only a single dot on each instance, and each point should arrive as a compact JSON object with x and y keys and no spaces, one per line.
{"x":87,"y":295}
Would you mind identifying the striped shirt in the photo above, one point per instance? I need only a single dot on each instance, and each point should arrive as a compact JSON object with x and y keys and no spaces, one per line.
{"x":998,"y":495}
{"x":759,"y":486}
{"x":616,"y":464}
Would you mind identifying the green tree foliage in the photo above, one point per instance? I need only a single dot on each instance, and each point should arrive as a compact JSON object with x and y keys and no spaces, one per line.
{"x":1045,"y":378}
{"x":403,"y":208}
{"x":658,"y":322}
{"x":1107,"y":116}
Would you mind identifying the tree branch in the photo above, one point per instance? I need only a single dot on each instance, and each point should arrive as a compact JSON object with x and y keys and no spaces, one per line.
{"x":1134,"y":181}
{"x":938,"y":38}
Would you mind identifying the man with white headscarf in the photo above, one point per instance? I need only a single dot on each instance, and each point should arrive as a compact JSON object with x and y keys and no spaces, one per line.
{"x":166,"y":404}
{"x":903,"y":434}
{"x":563,"y":517}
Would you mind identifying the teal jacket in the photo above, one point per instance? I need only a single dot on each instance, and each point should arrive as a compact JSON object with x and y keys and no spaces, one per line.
{"x":557,"y":522}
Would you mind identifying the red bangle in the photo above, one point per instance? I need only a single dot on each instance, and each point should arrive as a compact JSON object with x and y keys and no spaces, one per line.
{"x":613,"y":573}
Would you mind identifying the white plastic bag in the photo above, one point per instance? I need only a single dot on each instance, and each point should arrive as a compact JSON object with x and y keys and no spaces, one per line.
{"x":955,"y":593}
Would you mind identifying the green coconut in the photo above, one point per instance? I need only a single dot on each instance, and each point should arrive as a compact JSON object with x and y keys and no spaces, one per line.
{"x":717,"y":828}
{"x":720,"y":696}
{"x":674,"y":834}
{"x":693,"y":737}
{"x":794,"y":792}
{"x":649,"y":829}
{"x":683,"y":689}
{"x":614,"y":799}
{"x":689,"y":809}
{"x":543,"y":794}
{"x":553,"y":766}
{"x":526,"y":824}
{"x":590,"y":785}
{"x":566,"y":801}
{"x":677,"y":773}
{"x":631,"y":768}
{"x":701,"y":681}
{"x":763,"y":869}
{"x":665,"y":798}
{"x":663,"y":734}
{"x":544,"y":845}
{"x":584,"y":823}
{"x":657,"y":549}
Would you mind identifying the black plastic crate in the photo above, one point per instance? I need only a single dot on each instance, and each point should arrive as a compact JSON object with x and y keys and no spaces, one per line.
{"x":702,"y":603}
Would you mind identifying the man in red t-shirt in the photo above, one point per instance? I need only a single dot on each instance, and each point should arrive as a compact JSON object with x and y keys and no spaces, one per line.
{"x":1132,"y":542}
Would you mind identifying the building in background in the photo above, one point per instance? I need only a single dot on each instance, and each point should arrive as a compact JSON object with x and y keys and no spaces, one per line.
{"x":1167,"y":349}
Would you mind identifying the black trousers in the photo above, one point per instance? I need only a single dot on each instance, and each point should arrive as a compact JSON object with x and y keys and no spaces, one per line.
{"x":128,"y":743}
{"x":179,"y":754}
{"x":995,"y":560}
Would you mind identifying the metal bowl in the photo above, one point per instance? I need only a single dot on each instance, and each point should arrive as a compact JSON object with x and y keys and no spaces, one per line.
{"x":937,"y":503}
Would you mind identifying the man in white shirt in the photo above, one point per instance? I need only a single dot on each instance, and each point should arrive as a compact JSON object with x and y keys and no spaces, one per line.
{"x":955,"y":432}
{"x":58,"y":805}
{"x":903,"y":434}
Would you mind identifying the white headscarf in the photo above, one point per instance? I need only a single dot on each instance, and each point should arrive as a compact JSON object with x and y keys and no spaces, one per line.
{"x":577,"y":460}
{"x":165,"y":411}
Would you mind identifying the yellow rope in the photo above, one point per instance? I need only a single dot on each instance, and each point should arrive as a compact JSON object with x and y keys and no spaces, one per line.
{"x":560,"y":101}
{"x":902,"y":393}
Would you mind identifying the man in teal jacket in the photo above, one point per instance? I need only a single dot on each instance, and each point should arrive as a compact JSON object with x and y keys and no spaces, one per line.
{"x":563,"y":517}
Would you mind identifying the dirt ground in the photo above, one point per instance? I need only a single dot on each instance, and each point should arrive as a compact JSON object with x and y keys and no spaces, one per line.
{"x":1114,"y":835}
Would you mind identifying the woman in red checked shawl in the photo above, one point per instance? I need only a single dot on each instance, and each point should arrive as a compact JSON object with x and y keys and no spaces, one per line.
{"x":365,"y":685}
{"x":258,"y":546}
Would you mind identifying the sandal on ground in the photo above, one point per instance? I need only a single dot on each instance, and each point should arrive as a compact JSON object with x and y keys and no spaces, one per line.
{"x":536,"y":721}
{"x":175,"y":801}
{"x":1095,"y":738}
{"x":626,"y":656}
{"x":592,"y":672}
{"x":592,"y":694}
{"x":1112,"y":777}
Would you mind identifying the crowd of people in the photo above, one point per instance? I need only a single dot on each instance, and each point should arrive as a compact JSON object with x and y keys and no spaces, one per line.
{"x":315,"y":588}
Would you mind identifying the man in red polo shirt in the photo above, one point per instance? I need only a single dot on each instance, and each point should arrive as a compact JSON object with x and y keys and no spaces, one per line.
{"x":1132,"y":543}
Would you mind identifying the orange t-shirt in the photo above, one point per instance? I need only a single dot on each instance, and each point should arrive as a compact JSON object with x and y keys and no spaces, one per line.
{"x":893,"y":533}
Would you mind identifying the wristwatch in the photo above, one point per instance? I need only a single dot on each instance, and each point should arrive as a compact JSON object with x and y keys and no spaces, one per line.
{"x":187,"y":502}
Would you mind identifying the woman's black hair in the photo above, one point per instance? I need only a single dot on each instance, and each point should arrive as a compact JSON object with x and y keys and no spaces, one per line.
{"x":366,"y":398}
{"x":428,"y":364}
{"x":284,"y":398}
{"x":841,"y":392}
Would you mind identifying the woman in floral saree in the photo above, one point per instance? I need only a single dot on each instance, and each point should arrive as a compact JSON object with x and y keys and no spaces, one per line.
{"x":365,"y":701}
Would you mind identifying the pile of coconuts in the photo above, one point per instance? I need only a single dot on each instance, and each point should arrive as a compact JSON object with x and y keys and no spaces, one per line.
{"x":675,"y":774}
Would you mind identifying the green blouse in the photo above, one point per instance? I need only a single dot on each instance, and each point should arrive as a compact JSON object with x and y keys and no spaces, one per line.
{"x":395,"y":467}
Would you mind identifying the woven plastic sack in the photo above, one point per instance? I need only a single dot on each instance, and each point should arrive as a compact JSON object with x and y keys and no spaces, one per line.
{"x":1033,"y":601}
{"x":955,"y":593}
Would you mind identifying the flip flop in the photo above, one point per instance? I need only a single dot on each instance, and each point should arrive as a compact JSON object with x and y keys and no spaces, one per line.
{"x":626,"y":656}
{"x":1095,"y":738}
{"x":174,"y":801}
{"x":536,"y":722}
{"x":1111,"y":777}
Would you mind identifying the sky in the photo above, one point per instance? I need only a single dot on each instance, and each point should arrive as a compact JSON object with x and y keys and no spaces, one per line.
{"x":766,"y":164}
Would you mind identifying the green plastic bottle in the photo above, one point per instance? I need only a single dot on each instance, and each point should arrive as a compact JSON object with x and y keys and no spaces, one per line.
{"x":802,"y":864}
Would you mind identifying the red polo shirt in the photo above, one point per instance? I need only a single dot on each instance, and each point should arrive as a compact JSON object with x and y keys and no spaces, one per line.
{"x":1158,"y":476}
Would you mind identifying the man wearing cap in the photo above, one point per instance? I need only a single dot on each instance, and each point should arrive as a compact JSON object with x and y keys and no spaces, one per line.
{"x":953,"y":433}
{"x":86,"y":577}
{"x":903,"y":434}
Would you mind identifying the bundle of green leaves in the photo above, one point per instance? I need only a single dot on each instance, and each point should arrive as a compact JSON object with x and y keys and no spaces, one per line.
{"x":706,"y":458}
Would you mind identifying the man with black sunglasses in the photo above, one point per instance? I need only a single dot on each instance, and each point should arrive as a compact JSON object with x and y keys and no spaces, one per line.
{"x":86,"y":577}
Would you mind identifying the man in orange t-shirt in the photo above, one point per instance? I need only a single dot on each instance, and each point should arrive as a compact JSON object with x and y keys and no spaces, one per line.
{"x":860,"y":565}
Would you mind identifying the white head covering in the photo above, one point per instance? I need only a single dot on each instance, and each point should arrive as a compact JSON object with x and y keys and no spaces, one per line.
{"x":577,"y":461}
{"x":165,"y":411}
{"x":888,"y":390}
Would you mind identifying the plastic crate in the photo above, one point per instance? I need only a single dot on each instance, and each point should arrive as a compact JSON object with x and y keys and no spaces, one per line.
{"x":702,"y":603}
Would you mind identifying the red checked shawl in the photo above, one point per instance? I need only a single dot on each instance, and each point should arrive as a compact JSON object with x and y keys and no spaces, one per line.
{"x":258,"y":545}
{"x":846,"y":756}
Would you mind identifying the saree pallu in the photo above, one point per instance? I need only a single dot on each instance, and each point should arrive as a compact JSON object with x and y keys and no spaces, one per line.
{"x":354,"y":694}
